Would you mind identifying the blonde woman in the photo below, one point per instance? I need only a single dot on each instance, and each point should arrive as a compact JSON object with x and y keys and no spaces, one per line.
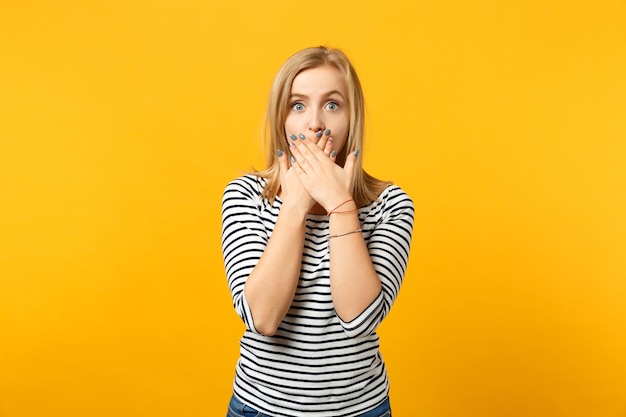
{"x":315,"y":251}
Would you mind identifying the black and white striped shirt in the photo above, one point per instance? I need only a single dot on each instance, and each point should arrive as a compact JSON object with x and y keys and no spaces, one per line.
{"x":316,"y":364}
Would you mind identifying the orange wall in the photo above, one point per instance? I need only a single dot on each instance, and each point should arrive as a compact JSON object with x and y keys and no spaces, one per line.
{"x":121,"y":122}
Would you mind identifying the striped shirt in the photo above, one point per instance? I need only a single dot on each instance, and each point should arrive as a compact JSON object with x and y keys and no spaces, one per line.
{"x":316,"y":364}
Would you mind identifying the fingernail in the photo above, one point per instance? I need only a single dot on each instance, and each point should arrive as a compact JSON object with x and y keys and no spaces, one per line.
{"x":332,"y":154}
{"x":293,"y":160}
{"x":293,"y":137}
{"x":357,"y":152}
{"x":302,"y":136}
{"x":280,"y":153}
{"x":327,"y":132}
{"x":319,"y":134}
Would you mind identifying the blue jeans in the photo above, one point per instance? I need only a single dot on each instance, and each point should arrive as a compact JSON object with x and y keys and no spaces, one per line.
{"x":238,"y":409}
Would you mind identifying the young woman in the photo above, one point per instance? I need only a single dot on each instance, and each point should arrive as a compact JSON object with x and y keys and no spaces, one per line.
{"x":315,"y":251}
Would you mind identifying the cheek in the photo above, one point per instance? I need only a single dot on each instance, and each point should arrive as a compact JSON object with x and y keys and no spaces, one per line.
{"x":340,"y":134}
{"x":340,"y":140}
{"x":291,"y":126}
{"x":343,"y":126}
{"x":340,"y":126}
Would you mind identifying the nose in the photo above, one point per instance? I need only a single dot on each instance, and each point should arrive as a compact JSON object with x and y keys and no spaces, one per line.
{"x":316,"y":123}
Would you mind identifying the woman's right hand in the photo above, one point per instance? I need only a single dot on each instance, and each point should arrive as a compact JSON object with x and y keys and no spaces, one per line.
{"x":292,"y":191}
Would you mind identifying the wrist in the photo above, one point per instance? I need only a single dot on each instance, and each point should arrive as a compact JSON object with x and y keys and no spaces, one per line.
{"x":294,"y":210}
{"x":346,"y":205}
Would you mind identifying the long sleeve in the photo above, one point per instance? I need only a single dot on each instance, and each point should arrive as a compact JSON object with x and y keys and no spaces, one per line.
{"x":244,"y":238}
{"x":387,"y":230}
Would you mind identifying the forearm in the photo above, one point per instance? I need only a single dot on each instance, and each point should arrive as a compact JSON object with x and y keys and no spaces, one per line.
{"x":271,"y":286}
{"x":354,"y":282}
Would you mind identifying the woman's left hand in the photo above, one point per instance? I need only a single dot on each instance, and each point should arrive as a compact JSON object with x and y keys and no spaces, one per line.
{"x":328,"y":183}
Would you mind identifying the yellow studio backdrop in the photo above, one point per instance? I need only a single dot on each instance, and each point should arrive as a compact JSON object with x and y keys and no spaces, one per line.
{"x":122,"y":121}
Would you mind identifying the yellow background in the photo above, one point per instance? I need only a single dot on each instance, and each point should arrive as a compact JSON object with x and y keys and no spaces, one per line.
{"x":122,"y":121}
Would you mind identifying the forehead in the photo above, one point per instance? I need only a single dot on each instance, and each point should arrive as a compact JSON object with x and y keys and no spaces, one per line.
{"x":319,"y":80}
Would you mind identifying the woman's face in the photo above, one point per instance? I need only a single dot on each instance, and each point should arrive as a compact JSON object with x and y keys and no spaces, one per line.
{"x":318,"y":101}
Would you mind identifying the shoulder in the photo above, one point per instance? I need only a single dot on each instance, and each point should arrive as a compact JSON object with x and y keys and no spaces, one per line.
{"x":249,"y":185}
{"x":392,"y":203}
{"x":394,"y":197}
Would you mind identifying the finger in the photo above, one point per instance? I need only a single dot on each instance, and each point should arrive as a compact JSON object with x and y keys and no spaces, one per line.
{"x":328,"y":148}
{"x":298,"y":161}
{"x":296,"y":165}
{"x":350,"y":162}
{"x":322,"y":136}
{"x":283,"y":165}
{"x":321,"y":143}
{"x":321,"y":139}
{"x":333,"y":156}
{"x":292,"y":142}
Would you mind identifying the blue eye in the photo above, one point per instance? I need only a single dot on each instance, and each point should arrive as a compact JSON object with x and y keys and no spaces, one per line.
{"x":332,"y":106}
{"x":297,"y":106}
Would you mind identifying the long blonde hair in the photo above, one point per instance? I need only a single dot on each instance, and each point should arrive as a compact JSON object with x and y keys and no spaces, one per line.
{"x":365,"y":188}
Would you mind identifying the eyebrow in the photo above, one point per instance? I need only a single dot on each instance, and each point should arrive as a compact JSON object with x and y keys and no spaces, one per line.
{"x":328,"y":94}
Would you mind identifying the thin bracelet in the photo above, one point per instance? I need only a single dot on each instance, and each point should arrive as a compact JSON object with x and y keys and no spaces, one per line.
{"x":345,"y":202}
{"x":346,"y":233}
{"x":345,"y":211}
